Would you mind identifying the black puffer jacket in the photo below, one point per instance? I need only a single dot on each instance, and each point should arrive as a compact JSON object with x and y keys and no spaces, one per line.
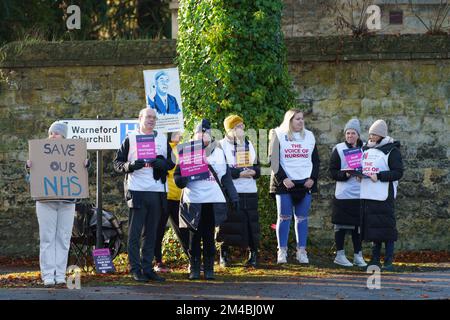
{"x":378,"y":222}
{"x":276,"y":178}
{"x":242,"y":228}
{"x":344,"y":211}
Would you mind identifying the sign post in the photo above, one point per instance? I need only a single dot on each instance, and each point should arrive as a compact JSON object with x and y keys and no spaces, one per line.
{"x":99,"y":197}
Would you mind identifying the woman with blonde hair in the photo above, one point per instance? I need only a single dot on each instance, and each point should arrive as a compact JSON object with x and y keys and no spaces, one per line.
{"x":295,"y":164}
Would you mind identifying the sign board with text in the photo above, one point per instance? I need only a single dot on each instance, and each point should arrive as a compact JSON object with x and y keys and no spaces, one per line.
{"x":101,"y":134}
{"x":103,"y":261}
{"x":192,"y":160}
{"x":57,"y":169}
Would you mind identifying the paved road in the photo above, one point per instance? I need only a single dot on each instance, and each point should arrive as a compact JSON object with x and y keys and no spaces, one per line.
{"x":404,"y":286}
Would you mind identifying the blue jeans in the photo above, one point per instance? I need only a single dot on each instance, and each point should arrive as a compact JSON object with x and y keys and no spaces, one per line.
{"x":285,"y":208}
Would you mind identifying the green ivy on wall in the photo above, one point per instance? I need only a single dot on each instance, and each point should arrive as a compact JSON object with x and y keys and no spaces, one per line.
{"x":231,"y":56}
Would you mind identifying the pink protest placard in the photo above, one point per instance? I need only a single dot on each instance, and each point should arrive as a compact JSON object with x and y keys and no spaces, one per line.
{"x":192,"y":160}
{"x":353,"y":158}
{"x":103,"y":261}
{"x":145,"y":145}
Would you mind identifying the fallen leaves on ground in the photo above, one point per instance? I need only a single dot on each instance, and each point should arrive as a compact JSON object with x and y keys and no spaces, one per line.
{"x":423,"y":256}
{"x":321,"y":266}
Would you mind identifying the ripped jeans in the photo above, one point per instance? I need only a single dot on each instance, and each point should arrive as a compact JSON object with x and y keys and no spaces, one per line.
{"x":285,"y":208}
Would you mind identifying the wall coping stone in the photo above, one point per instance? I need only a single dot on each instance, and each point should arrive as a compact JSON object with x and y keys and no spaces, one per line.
{"x":163,"y":52}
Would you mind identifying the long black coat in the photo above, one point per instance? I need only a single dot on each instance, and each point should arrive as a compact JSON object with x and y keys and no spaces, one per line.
{"x":242,"y":228}
{"x":378,"y":222}
{"x":344,"y":211}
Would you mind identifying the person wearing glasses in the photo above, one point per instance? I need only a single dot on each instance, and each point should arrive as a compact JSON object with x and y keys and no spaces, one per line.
{"x":241,"y":229}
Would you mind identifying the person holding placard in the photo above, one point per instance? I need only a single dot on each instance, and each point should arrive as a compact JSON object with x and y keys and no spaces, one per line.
{"x":145,"y":159}
{"x":204,"y":199}
{"x":345,"y":216}
{"x":382,"y":163}
{"x":241,"y":229}
{"x":173,"y":204}
{"x":55,"y":218}
{"x":294,"y":162}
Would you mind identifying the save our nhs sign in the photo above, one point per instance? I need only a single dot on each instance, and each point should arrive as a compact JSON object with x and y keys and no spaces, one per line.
{"x":100,"y":134}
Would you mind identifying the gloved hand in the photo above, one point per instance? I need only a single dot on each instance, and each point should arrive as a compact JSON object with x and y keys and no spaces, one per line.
{"x":136,"y":165}
{"x":160,"y":168}
{"x":160,"y":164}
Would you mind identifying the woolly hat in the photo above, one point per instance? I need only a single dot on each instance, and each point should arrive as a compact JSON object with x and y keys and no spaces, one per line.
{"x":203,"y":126}
{"x":58,"y":127}
{"x":353,"y":124}
{"x":379,"y":128}
{"x":231,"y":121}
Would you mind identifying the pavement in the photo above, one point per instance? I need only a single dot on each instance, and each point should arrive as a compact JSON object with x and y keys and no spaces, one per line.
{"x":392,"y":286}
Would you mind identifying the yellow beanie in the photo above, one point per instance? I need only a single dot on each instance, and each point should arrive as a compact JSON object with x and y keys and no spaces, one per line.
{"x":231,"y":121}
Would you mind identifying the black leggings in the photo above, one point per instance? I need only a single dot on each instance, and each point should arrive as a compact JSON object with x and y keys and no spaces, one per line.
{"x":339,"y":237}
{"x":205,"y":232}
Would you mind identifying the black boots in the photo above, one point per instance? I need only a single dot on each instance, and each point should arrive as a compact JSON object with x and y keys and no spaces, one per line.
{"x":224,"y":257}
{"x":388,"y":264}
{"x":208,"y":265}
{"x":194,"y":272}
{"x":251,"y":262}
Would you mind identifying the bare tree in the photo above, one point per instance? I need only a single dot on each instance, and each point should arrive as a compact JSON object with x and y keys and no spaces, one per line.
{"x":350,"y":15}
{"x":438,"y":14}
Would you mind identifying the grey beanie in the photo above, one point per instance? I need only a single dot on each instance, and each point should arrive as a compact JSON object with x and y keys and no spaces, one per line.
{"x":379,"y":128}
{"x":353,"y":124}
{"x":58,"y":127}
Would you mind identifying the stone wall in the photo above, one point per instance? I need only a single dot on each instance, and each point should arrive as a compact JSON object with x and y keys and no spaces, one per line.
{"x":318,"y":17}
{"x":404,"y":80}
{"x":413,"y":96}
{"x":304,"y":18}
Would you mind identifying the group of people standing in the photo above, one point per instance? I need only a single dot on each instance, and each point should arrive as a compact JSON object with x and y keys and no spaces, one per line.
{"x":156,"y":192}
{"x":364,"y":205}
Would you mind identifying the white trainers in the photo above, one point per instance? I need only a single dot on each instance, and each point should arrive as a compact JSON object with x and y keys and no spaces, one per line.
{"x":49,"y":282}
{"x":282,"y":255}
{"x":342,"y":260}
{"x":302,"y":256}
{"x":358,"y":260}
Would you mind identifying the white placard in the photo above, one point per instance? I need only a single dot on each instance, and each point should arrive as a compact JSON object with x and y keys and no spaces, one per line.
{"x":163,"y":94}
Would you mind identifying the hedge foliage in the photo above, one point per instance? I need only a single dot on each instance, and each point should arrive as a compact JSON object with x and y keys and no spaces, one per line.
{"x":231,"y":56}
